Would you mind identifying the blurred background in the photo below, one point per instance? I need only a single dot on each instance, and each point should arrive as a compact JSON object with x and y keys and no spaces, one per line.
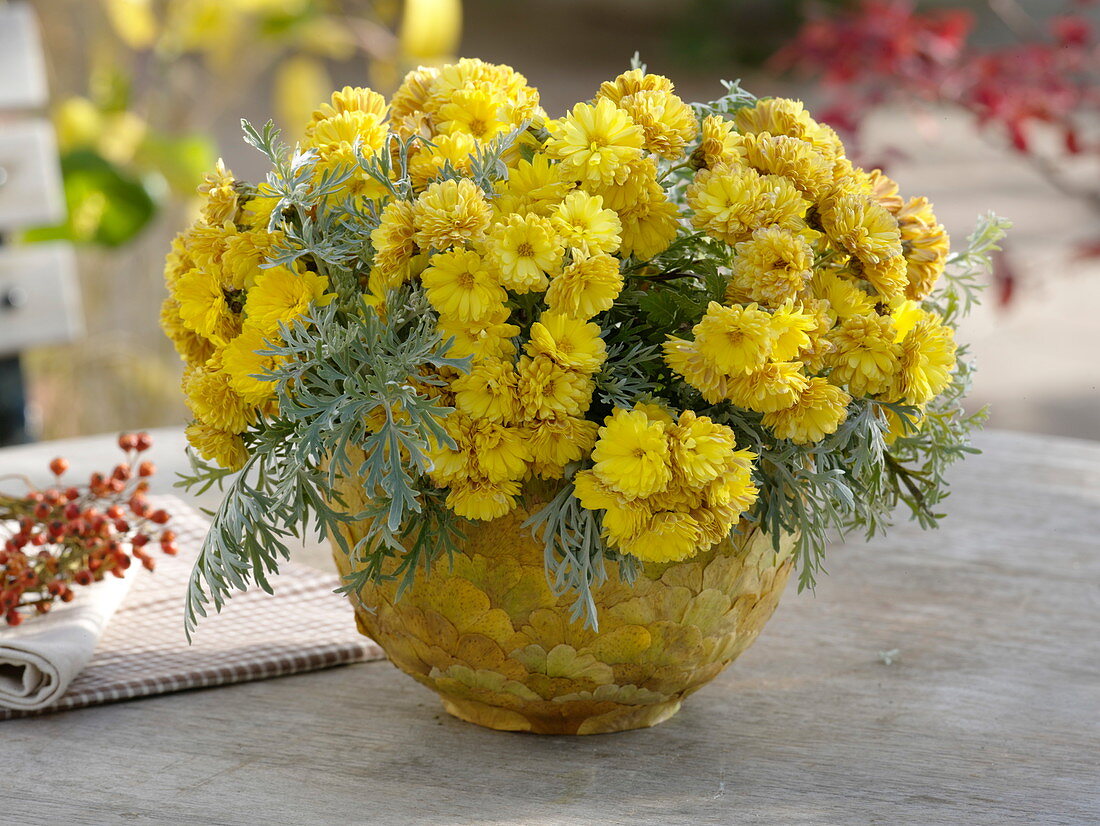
{"x":977,"y":104}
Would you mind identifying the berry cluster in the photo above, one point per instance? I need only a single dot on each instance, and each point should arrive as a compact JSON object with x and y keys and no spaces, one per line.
{"x":76,"y":535}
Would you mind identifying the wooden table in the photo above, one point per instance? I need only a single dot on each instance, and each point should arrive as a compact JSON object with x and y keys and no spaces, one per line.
{"x":986,"y":711}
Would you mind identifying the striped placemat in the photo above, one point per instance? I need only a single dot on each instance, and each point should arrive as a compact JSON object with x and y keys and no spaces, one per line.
{"x":143,"y":651}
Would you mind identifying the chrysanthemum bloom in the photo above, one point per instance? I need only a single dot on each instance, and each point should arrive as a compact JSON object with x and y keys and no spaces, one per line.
{"x":861,"y":226}
{"x":889,"y":277}
{"x":582,"y":223}
{"x":450,"y":214}
{"x":623,"y":518}
{"x":206,"y":244}
{"x":460,"y":285}
{"x":698,"y":371}
{"x":632,"y":454}
{"x":666,"y":537}
{"x":221,"y":446}
{"x":488,"y":337}
{"x":792,"y":328}
{"x":794,"y":159}
{"x":244,"y":364}
{"x":845,"y":298}
{"x":667,"y":122}
{"x":488,"y":391}
{"x":501,"y":452}
{"x":595,"y":143}
{"x":192,"y":347}
{"x":925,"y":245}
{"x":729,"y":202}
{"x":214,"y":401}
{"x":525,"y":249}
{"x":557,"y":441}
{"x":649,"y":226}
{"x":927,"y":357}
{"x":282,"y":295}
{"x":884,"y":190}
{"x":452,"y":463}
{"x":573,"y":343}
{"x":411,"y":97}
{"x":783,"y":116}
{"x":546,"y":389}
{"x":586,"y":287}
{"x":482,"y":499}
{"x":453,"y":150}
{"x":719,"y":143}
{"x":735,"y":339}
{"x":477,"y":112}
{"x":772,"y":387}
{"x":205,"y":308}
{"x":245,"y":254}
{"x":350,"y":128}
{"x":701,"y":449}
{"x":631,"y":82}
{"x":819,"y":411}
{"x":533,"y":186}
{"x":866,"y":355}
{"x":393,"y":242}
{"x":773,"y":266}
{"x":221,"y":196}
{"x":349,"y":99}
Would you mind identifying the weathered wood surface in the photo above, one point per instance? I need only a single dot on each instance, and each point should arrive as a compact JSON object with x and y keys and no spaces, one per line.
{"x":989,"y":712}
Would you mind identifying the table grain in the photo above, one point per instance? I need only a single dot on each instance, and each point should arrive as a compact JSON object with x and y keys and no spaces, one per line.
{"x":948,"y":677}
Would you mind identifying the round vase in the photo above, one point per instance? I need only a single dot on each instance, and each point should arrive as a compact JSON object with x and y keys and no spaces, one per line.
{"x":488,"y":635}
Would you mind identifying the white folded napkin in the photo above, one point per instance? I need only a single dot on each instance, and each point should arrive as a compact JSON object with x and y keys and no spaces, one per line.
{"x":39,"y":658}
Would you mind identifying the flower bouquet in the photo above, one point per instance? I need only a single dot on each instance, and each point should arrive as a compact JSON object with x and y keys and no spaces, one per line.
{"x":571,"y":397}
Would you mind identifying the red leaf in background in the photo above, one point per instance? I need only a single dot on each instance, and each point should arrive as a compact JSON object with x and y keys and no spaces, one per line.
{"x":1072,"y":141}
{"x":1071,"y":30}
{"x":1004,"y":279}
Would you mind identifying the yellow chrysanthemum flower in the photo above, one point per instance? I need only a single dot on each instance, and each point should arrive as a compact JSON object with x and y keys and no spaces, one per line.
{"x":346,"y":130}
{"x":214,"y":402}
{"x":667,"y":122}
{"x":488,"y":337}
{"x":221,"y":446}
{"x":774,"y":386}
{"x":927,"y":357}
{"x":455,"y":150}
{"x":792,"y":158}
{"x":207,"y":307}
{"x":783,"y":116}
{"x":557,"y":441}
{"x":349,"y":99}
{"x":735,"y":339}
{"x":282,"y":295}
{"x":245,"y":254}
{"x":631,"y":82}
{"x":861,"y":226}
{"x":792,"y":328}
{"x":460,"y":285}
{"x":546,"y":389}
{"x":845,"y":299}
{"x":719,"y":143}
{"x":889,"y":277}
{"x":193,"y":348}
{"x":632,"y":454}
{"x":533,"y":186}
{"x":244,"y":365}
{"x":573,"y":343}
{"x":488,"y":391}
{"x":772,"y":267}
{"x":259,"y":209}
{"x":501,"y":452}
{"x":729,"y":202}
{"x":595,"y":143}
{"x":525,"y":249}
{"x":655,"y":412}
{"x":206,"y":244}
{"x":474,"y":111}
{"x":482,"y":500}
{"x":221,"y":202}
{"x":699,"y":371}
{"x":925,"y":245}
{"x":393,"y":241}
{"x":649,"y":226}
{"x":885,"y":191}
{"x":819,"y":411}
{"x":582,"y":223}
{"x":700,"y":448}
{"x":586,"y":287}
{"x":666,"y":537}
{"x":450,"y":214}
{"x":866,"y":356}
